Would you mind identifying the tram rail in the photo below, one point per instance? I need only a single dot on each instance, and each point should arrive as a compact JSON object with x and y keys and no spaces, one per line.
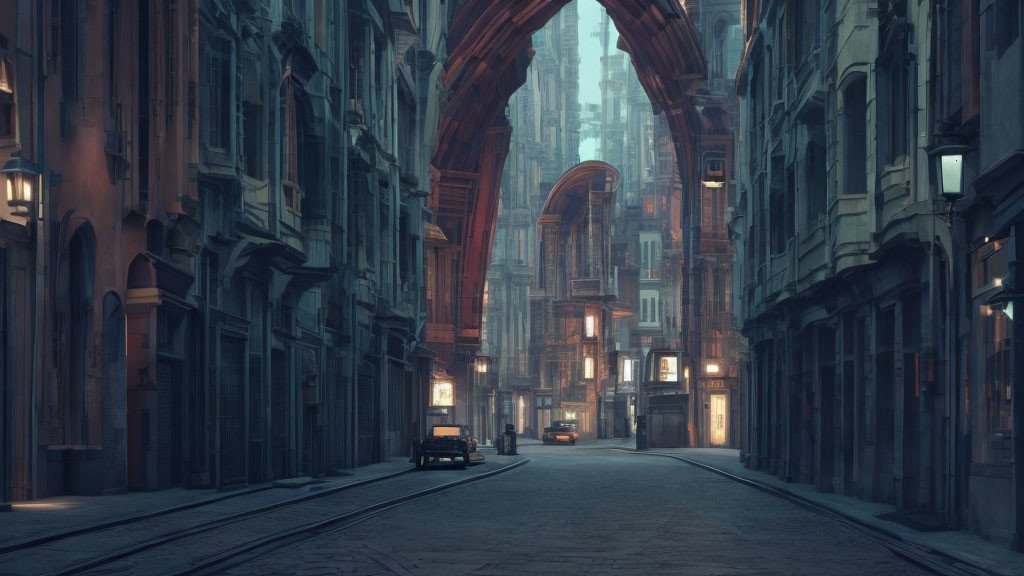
{"x":217,"y":542}
{"x":927,"y":558}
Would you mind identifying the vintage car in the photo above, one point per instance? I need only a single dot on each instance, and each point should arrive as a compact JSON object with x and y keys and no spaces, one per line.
{"x":445,"y":441}
{"x":572,"y":425}
{"x":558,"y":435}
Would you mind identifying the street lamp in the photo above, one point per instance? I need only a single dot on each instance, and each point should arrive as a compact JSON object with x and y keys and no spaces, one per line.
{"x":948,"y":162}
{"x":20,"y":178}
{"x":481,"y":364}
{"x":479,"y":403}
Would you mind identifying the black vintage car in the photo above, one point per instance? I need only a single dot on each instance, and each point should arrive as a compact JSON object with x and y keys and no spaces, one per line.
{"x":451,"y":441}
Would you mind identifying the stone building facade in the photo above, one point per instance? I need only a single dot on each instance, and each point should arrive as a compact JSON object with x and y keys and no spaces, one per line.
{"x":574,"y":285}
{"x":221,"y":277}
{"x":879,"y":318}
{"x":710,"y":341}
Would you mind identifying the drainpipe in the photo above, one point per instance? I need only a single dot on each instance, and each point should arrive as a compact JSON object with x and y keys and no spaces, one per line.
{"x":36,"y":223}
{"x":1016,"y":392}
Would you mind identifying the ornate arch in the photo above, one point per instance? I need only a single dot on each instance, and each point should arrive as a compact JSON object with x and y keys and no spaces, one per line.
{"x":488,"y":54}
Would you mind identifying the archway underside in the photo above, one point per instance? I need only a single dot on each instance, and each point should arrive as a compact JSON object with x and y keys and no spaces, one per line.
{"x":489,"y":51}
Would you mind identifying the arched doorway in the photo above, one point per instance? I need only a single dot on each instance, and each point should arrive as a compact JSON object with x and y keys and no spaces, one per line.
{"x":156,"y":349}
{"x":80,"y":287}
{"x":112,"y":392}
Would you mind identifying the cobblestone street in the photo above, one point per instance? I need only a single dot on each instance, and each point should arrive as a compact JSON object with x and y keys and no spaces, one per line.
{"x":582,"y":510}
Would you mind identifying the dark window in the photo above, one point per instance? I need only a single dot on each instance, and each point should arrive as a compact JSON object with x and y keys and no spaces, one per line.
{"x":790,"y":215}
{"x":220,"y":94}
{"x":111,"y":25}
{"x":894,"y":116}
{"x":6,"y":99}
{"x":815,"y":192}
{"x":72,"y":16}
{"x":897,"y":120}
{"x":252,"y":117}
{"x":855,"y":137}
{"x":780,"y":207}
{"x":716,"y":291}
{"x":951,"y":44}
{"x":253,"y":139}
{"x":1006,"y":16}
{"x":170,"y":61}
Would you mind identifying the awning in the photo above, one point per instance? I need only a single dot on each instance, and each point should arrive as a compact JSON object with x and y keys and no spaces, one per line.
{"x":432,"y":234}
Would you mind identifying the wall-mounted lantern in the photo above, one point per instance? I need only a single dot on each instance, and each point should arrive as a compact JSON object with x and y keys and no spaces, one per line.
{"x":948,"y":163}
{"x":20,"y":180}
{"x":482,"y":363}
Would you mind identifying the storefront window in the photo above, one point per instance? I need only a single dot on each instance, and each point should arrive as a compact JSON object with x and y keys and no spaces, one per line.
{"x":443,"y":393}
{"x":991,"y":385}
{"x":997,"y":386}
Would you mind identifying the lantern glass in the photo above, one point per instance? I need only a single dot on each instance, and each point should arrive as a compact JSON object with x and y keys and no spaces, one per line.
{"x":19,"y":188}
{"x":951,"y":176}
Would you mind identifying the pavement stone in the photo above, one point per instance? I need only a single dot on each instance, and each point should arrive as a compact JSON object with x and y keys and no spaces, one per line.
{"x":590,"y":509}
{"x":583,"y":511}
{"x":961,"y":544}
{"x":50,"y":516}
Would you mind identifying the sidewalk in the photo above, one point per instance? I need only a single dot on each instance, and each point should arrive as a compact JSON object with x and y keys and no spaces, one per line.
{"x":49,"y":517}
{"x":965,"y":546}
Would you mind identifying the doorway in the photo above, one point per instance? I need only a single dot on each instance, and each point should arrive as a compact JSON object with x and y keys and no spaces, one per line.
{"x":885,"y":425}
{"x":231,"y":412}
{"x":279,"y":454}
{"x":718,"y":420}
{"x":369,"y":421}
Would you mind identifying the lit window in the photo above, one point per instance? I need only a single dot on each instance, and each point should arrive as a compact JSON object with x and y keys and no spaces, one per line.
{"x":712,"y":369}
{"x":591,"y":327}
{"x":588,"y":368}
{"x":668,"y":369}
{"x":443,"y":393}
{"x":5,"y":83}
{"x":627,"y":370}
